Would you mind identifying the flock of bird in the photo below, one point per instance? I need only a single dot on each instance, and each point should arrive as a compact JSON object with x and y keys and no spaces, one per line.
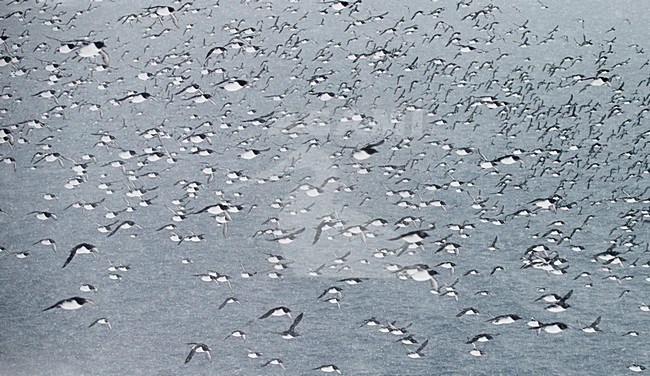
{"x":455,"y":173}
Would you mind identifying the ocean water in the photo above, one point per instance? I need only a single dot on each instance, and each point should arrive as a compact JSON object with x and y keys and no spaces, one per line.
{"x":435,"y":87}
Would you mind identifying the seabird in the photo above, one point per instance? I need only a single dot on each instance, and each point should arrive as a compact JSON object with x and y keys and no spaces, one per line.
{"x":101,"y":321}
{"x":277,"y":312}
{"x":236,"y":334}
{"x":412,"y":237}
{"x":70,"y":303}
{"x":593,"y":327}
{"x":367,"y":151}
{"x":553,"y":328}
{"x":230,"y":300}
{"x":328,"y":368}
{"x":504,"y":319}
{"x":198,"y":348}
{"x":418,"y":353}
{"x":484,"y":337}
{"x":291,"y":332}
{"x":274,"y":361}
{"x":80,"y":249}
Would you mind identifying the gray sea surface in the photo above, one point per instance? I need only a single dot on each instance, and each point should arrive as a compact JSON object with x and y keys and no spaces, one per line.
{"x":512,"y":136}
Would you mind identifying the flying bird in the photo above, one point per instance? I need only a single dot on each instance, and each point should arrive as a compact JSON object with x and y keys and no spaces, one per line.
{"x":70,"y":304}
{"x":291,"y":332}
{"x":199,"y":348}
{"x":80,"y":249}
{"x":277,"y":312}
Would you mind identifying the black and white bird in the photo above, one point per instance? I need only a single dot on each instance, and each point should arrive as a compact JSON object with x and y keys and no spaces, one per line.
{"x":504,"y":319}
{"x":289,"y":238}
{"x":291,"y":332}
{"x":418,"y":353}
{"x":328,"y":368}
{"x":70,"y":304}
{"x":277,"y":312}
{"x":483,"y":337}
{"x":227,"y":301}
{"x":47,"y":241}
{"x":367,"y":151}
{"x":593,"y":327}
{"x":80,"y":249}
{"x":331,"y":290}
{"x":275,"y":362}
{"x":93,"y":49}
{"x":420,"y":273}
{"x":547,"y":203}
{"x":470,"y":311}
{"x":412,"y":237}
{"x":101,"y":321}
{"x":124,"y":226}
{"x":552,"y":328}
{"x":235,"y":85}
{"x":236,"y":334}
{"x":135,"y":98}
{"x":561,"y":305}
{"x":252,"y":153}
{"x":199,"y":348}
{"x":634,"y":367}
